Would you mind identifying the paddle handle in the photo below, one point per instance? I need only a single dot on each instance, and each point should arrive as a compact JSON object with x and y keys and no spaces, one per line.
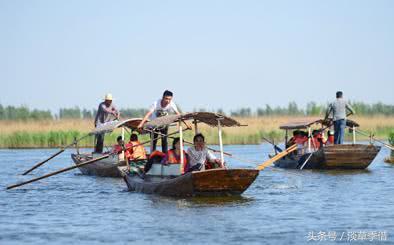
{"x":277,"y":157}
{"x":41,"y":163}
{"x":54,"y":155}
{"x":58,"y":172}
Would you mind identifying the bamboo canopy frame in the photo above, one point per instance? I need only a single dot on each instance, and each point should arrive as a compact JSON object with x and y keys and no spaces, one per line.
{"x":209,"y":118}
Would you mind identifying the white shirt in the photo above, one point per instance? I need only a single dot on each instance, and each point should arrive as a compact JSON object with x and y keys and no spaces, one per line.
{"x":158,"y":111}
{"x":196,"y":157}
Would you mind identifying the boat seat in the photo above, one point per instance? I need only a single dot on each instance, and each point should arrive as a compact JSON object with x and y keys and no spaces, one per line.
{"x":159,"y":169}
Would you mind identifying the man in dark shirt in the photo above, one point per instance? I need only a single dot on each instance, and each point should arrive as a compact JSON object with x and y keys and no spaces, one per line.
{"x":106,"y":112}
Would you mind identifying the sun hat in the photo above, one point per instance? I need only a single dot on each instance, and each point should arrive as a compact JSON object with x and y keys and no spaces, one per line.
{"x":108,"y":97}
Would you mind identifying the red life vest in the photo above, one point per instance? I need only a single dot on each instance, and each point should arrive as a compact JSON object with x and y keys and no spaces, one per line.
{"x":157,"y":153}
{"x":316,"y":142}
{"x":300,"y":140}
{"x":117,"y":149}
{"x":172,"y":158}
{"x":330,"y":139}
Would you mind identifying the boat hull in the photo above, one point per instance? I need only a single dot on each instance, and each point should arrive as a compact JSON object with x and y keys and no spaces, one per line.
{"x":355,"y":156}
{"x":214,"y":182}
{"x":104,"y":168}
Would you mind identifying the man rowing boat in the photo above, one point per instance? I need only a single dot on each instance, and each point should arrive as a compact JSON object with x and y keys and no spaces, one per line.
{"x":159,"y":108}
{"x":338,"y":109}
{"x":106,"y":112}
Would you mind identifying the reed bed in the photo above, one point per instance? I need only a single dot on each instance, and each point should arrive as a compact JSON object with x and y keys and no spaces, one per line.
{"x":57,"y":133}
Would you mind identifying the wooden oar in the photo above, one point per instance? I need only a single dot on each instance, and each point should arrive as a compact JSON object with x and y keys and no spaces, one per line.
{"x":76,"y":166}
{"x":372,"y":137}
{"x":276,"y":148}
{"x":54,"y":155}
{"x":59,"y":171}
{"x":309,"y":157}
{"x":277,"y":157}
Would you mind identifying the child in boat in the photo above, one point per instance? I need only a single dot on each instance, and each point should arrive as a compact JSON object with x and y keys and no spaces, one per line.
{"x":199,"y":155}
{"x":135,"y":151}
{"x":173,"y":156}
{"x":119,"y":147}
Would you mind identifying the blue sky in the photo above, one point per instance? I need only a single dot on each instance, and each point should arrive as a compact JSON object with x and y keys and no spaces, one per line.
{"x":212,"y":54}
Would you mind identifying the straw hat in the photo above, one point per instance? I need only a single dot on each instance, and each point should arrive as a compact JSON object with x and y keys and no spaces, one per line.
{"x":108,"y":97}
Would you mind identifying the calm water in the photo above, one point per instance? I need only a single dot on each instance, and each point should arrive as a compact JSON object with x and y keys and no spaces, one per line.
{"x":281,"y":207}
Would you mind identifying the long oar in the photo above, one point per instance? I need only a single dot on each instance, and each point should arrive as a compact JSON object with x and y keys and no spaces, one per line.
{"x":309,"y":157}
{"x":277,"y":157}
{"x":76,"y":166}
{"x":277,"y":148}
{"x":54,"y":155}
{"x":369,"y":135}
{"x":59,"y":171}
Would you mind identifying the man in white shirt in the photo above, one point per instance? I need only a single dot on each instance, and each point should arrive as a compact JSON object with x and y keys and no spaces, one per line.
{"x":159,"y":108}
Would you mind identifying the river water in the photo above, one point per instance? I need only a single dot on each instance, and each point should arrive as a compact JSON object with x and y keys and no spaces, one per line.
{"x":280,"y":207}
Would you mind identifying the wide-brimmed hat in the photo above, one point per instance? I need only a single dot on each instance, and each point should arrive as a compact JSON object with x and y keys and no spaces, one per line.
{"x":108,"y":97}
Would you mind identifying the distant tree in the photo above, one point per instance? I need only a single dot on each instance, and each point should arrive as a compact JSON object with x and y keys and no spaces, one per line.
{"x":130,"y":112}
{"x":292,"y":109}
{"x":40,"y":115}
{"x":87,"y":114}
{"x":243,"y":112}
{"x":68,"y":113}
{"x":312,"y":109}
{"x":220,"y":111}
{"x":2,"y":112}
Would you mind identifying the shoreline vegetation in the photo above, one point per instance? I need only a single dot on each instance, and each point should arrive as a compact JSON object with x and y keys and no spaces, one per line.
{"x":51,"y":133}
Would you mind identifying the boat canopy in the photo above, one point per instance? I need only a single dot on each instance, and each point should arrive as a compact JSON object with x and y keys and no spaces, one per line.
{"x":309,"y":122}
{"x":131,"y":123}
{"x":208,"y":118}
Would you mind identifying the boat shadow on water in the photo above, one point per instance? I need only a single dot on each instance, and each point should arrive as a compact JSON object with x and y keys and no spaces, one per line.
{"x":338,"y":172}
{"x":202,"y":201}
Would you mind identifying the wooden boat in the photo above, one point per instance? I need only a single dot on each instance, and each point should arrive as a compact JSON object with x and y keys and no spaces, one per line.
{"x":104,"y":168}
{"x":213,"y":182}
{"x":349,"y":156}
{"x":170,"y":181}
{"x":108,"y":167}
{"x":344,"y":156}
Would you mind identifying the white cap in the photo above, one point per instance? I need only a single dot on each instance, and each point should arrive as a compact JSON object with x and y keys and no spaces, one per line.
{"x":108,"y":97}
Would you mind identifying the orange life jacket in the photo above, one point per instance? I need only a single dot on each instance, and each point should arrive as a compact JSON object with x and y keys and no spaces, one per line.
{"x":137,"y":152}
{"x":157,"y":153}
{"x":172,"y":158}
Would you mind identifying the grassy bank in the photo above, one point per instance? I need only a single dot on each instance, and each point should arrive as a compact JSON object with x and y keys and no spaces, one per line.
{"x":53,"y":133}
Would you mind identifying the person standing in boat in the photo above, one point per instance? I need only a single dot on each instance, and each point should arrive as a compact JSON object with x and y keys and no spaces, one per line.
{"x":199,"y":155}
{"x":339,"y":109}
{"x":106,"y":112}
{"x":159,"y":108}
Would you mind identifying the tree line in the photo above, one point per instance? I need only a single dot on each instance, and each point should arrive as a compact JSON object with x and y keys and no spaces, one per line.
{"x":292,"y":109}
